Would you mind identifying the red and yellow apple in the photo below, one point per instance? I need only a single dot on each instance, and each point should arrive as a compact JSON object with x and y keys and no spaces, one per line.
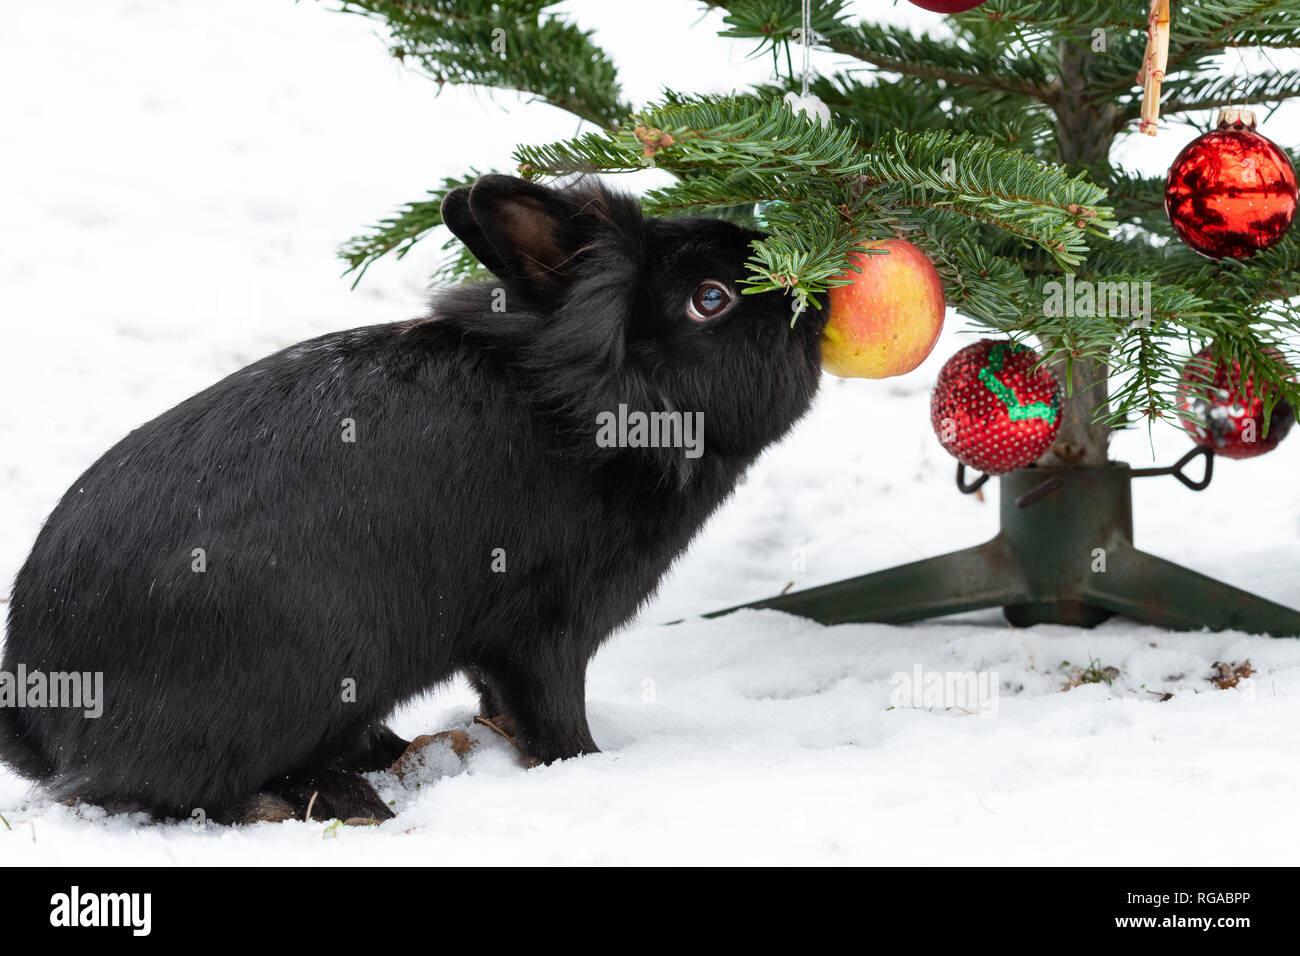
{"x":886,"y":321}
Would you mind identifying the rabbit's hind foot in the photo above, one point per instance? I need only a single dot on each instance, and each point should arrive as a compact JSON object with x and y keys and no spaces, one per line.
{"x":322,"y":794}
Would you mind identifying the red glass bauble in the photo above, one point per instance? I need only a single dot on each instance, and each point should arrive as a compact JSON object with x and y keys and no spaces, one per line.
{"x":1232,"y":192}
{"x":947,"y":6}
{"x":1227,"y":413}
{"x":992,"y":410}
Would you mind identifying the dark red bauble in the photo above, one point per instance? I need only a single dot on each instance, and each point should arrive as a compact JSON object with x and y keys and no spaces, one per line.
{"x":991,"y":410}
{"x":947,"y":6}
{"x":1232,"y":192}
{"x":1227,"y":414}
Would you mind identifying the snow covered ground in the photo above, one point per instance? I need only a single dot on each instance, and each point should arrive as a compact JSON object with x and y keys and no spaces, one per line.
{"x":177,"y":178}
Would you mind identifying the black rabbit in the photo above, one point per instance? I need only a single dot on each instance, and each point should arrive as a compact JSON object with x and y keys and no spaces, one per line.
{"x":263,"y":573}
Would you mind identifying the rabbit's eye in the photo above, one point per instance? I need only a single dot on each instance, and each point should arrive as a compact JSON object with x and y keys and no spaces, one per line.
{"x":709,"y":300}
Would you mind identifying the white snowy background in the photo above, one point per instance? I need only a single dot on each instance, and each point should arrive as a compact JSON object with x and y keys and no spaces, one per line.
{"x":177,"y":176}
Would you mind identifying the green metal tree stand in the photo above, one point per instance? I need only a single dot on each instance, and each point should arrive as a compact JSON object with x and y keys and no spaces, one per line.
{"x":1064,"y":555}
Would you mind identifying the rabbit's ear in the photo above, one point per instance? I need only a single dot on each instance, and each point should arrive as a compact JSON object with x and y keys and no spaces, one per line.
{"x":457,"y":217}
{"x":525,"y":233}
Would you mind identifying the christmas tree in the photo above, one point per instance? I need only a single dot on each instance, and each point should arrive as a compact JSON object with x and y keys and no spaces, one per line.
{"x":989,"y":145}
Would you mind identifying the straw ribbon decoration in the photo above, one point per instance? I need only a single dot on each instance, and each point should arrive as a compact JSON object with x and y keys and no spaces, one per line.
{"x":1154,"y":65}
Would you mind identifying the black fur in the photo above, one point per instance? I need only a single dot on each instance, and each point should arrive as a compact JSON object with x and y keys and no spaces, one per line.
{"x":372,"y":561}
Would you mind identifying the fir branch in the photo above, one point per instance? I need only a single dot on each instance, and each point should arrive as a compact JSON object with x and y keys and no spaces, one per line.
{"x":729,"y":149}
{"x":1138,"y":200}
{"x":401,"y":231}
{"x":888,"y":48}
{"x":1146,"y":354}
{"x":1216,"y":24}
{"x":1216,"y":92}
{"x":1055,"y":17}
{"x":874,"y":110}
{"x":1006,"y":188}
{"x":505,"y":44}
{"x":898,"y":51}
{"x":1268,"y":277}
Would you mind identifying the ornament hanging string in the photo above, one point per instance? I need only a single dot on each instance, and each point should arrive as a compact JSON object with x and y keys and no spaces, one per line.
{"x":1237,"y":83}
{"x":804,"y":102}
{"x":797,"y":305}
{"x":805,"y":39}
{"x":1154,"y":65}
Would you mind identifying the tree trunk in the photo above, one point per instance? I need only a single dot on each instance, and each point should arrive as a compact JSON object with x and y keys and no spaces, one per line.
{"x":1084,"y":133}
{"x":1080,"y":442}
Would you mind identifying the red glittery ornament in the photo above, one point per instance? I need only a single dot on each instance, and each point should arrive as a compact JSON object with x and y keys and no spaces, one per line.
{"x":947,"y":6}
{"x":1227,"y":413}
{"x":1232,"y":192}
{"x":991,"y":409}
